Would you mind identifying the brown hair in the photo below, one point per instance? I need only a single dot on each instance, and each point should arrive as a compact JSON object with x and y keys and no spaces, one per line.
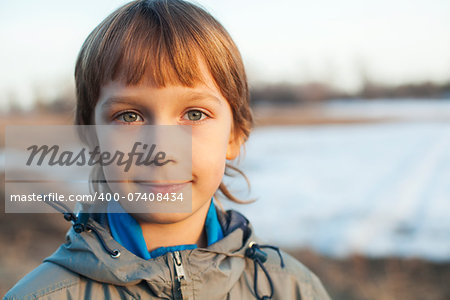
{"x":162,"y":40}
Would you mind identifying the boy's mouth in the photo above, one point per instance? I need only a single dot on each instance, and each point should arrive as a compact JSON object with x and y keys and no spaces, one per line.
{"x":163,"y":186}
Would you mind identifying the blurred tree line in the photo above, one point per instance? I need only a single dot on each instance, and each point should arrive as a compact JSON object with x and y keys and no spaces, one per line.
{"x":287,"y":93}
{"x":274,"y":94}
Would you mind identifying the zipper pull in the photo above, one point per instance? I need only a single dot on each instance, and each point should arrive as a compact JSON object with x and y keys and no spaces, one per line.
{"x":179,"y":270}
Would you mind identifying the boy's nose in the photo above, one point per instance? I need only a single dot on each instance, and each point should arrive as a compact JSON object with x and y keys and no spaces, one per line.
{"x":163,"y":120}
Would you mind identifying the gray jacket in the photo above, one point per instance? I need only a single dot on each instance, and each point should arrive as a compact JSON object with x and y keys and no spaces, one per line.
{"x":236,"y":267}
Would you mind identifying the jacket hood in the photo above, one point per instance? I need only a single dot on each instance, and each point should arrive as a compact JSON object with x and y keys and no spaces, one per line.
{"x":84,"y":253}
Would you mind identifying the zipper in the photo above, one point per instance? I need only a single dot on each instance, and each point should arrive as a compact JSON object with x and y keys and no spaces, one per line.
{"x":180,"y":275}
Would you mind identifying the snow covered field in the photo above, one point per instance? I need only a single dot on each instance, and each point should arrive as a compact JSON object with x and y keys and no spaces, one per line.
{"x":375,"y":189}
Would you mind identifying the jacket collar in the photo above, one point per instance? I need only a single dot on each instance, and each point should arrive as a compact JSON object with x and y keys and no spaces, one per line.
{"x":127,"y":231}
{"x":84,"y":254}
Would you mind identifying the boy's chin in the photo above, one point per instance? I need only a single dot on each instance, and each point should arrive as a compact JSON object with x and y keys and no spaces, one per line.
{"x":161,"y":218}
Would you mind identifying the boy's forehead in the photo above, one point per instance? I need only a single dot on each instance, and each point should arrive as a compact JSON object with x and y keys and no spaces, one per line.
{"x":115,"y":92}
{"x":121,"y":87}
{"x":203,"y":81}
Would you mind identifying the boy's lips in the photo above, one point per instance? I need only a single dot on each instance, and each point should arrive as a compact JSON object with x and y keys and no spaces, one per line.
{"x":163,"y":186}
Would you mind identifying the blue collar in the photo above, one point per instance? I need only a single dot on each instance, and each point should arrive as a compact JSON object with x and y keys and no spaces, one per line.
{"x":127,"y":232}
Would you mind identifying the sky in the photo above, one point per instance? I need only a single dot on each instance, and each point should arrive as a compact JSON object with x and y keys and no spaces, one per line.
{"x":391,"y":41}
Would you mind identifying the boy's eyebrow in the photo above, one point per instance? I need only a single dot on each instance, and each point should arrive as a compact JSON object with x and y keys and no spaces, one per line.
{"x":120,"y":99}
{"x":191,"y":96}
{"x":203,"y":96}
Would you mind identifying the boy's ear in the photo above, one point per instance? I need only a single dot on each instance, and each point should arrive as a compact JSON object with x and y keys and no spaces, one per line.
{"x":234,"y":145}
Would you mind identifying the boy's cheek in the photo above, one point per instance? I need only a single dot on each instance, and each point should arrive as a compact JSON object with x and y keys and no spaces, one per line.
{"x":211,"y":159}
{"x":207,"y":182}
{"x":208,"y":168}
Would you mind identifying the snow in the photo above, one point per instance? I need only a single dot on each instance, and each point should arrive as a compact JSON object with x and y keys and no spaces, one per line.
{"x":398,"y":109}
{"x":374,"y":189}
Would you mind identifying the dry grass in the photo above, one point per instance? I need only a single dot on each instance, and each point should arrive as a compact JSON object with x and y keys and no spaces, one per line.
{"x":32,"y":119}
{"x":25,"y":240}
{"x":391,"y":278}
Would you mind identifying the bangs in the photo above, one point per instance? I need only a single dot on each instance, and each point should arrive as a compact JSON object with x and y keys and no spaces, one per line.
{"x":142,"y":45}
{"x":149,"y":49}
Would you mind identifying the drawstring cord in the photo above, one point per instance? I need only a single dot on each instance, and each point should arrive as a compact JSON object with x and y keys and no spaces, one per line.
{"x":114,"y":253}
{"x":80,"y":224}
{"x":259,"y":257}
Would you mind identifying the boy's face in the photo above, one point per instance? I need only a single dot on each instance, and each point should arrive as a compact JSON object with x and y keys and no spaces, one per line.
{"x":203,"y":107}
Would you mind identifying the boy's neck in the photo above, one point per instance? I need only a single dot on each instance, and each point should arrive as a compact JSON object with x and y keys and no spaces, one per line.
{"x":188,"y":231}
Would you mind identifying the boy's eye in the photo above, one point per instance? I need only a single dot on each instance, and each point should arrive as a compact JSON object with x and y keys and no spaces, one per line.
{"x":195,"y":115}
{"x":129,"y":117}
